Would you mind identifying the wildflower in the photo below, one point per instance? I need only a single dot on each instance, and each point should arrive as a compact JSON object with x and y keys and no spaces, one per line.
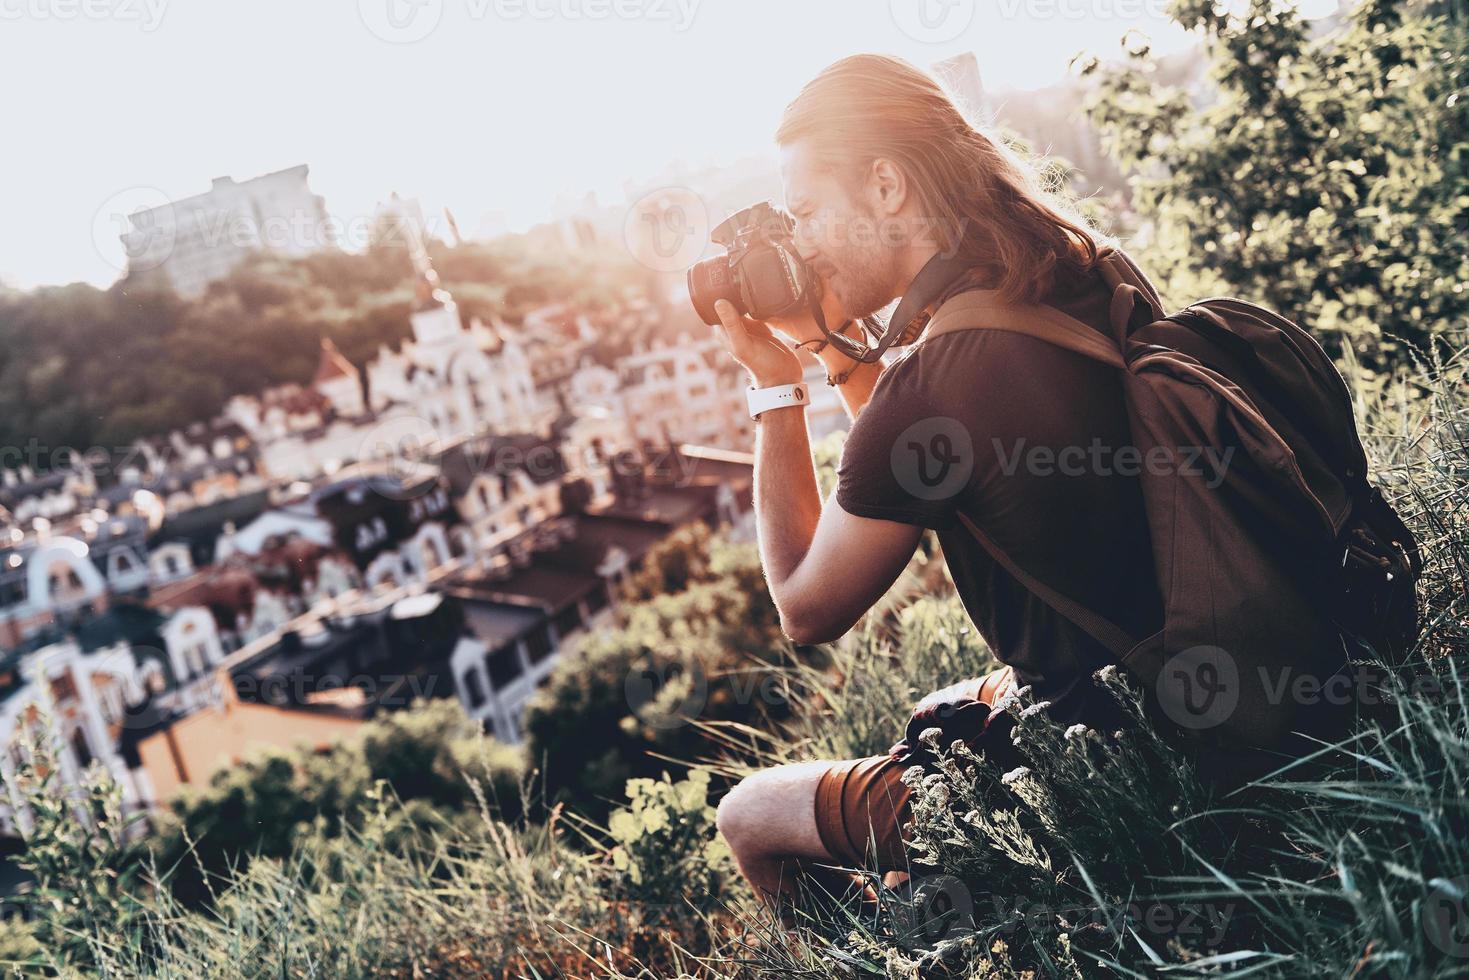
{"x":1014,"y":776}
{"x":1077,"y":733}
{"x":1035,"y":709}
{"x":623,"y":826}
{"x":655,"y":819}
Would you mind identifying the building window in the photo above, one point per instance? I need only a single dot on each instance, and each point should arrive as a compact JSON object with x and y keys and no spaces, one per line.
{"x":538,"y":644}
{"x":194,"y":659}
{"x":473,"y":689}
{"x":504,"y":665}
{"x":80,"y":748}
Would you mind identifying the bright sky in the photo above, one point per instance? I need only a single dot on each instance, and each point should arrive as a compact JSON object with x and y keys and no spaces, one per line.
{"x":500,"y":107}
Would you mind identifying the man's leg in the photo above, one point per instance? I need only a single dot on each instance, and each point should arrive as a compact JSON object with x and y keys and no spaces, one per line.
{"x":783,"y":822}
{"x":769,"y":821}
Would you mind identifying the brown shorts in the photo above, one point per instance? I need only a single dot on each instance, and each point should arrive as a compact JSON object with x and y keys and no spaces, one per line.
{"x":862,"y":806}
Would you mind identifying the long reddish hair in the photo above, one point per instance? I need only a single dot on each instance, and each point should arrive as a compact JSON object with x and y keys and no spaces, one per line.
{"x":985,"y":202}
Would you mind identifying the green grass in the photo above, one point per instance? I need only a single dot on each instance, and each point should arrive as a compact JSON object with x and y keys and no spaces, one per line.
{"x":1104,"y":856}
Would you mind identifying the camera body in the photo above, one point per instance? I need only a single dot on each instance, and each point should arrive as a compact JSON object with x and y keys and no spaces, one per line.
{"x":762,"y":274}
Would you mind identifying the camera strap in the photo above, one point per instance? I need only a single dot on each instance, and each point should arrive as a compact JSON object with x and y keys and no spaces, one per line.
{"x":936,"y":276}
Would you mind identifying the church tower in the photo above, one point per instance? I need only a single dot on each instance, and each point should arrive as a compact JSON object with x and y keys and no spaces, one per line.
{"x":437,"y":332}
{"x":339,"y":381}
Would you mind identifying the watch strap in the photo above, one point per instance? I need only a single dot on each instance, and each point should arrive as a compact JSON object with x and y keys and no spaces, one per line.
{"x":762,"y":400}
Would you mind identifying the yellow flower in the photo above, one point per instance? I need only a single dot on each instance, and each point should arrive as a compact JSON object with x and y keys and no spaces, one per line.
{"x":624,"y":827}
{"x":655,"y":820}
{"x":692,"y":794}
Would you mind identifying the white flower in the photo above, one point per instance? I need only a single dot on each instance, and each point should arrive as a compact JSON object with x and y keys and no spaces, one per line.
{"x":1015,"y":775}
{"x":1077,"y":732}
{"x":1035,"y":709}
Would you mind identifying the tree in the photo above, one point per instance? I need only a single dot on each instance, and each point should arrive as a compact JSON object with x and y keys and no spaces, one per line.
{"x":698,"y":642}
{"x":1327,"y":178}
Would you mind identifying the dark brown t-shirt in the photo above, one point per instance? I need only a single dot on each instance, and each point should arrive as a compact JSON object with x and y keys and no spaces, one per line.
{"x":1022,"y":436}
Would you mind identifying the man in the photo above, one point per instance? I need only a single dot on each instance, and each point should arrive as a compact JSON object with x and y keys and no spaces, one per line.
{"x":895,"y":194}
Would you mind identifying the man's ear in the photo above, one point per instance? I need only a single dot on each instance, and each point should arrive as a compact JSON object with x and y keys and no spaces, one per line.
{"x":887,"y":186}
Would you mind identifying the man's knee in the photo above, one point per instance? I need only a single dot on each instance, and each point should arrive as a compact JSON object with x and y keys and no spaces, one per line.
{"x":737,"y":816}
{"x":770,"y":812}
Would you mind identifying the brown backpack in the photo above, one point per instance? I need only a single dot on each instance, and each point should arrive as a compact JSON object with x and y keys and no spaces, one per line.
{"x":1268,"y":570}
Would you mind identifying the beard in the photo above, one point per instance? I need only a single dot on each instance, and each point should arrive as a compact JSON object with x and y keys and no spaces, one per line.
{"x":861,"y":279}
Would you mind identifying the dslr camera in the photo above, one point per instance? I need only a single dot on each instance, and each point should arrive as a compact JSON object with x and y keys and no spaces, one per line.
{"x":762,"y":274}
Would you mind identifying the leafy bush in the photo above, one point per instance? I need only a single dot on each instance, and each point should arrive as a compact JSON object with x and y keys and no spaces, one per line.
{"x":429,"y":757}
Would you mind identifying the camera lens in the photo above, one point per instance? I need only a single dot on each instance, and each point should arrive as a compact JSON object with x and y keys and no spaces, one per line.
{"x":710,"y":280}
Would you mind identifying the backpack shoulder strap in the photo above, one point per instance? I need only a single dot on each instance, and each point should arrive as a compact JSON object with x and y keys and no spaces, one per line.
{"x":1094,"y":624}
{"x":983,"y":309}
{"x":1118,"y":269}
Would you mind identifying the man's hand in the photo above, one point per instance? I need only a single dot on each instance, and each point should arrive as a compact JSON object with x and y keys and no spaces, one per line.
{"x":770,"y":360}
{"x":801,"y":327}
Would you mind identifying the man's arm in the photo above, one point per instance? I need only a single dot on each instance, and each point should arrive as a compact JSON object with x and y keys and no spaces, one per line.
{"x":825,"y":567}
{"x":857,"y":389}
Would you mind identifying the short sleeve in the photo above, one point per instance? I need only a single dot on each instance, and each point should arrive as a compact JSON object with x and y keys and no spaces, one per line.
{"x":906,"y":458}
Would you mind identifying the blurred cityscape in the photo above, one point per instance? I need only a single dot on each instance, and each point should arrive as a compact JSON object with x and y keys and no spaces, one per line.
{"x":444,"y":518}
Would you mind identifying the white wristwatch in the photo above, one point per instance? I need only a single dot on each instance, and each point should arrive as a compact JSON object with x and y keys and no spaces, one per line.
{"x":762,"y":400}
